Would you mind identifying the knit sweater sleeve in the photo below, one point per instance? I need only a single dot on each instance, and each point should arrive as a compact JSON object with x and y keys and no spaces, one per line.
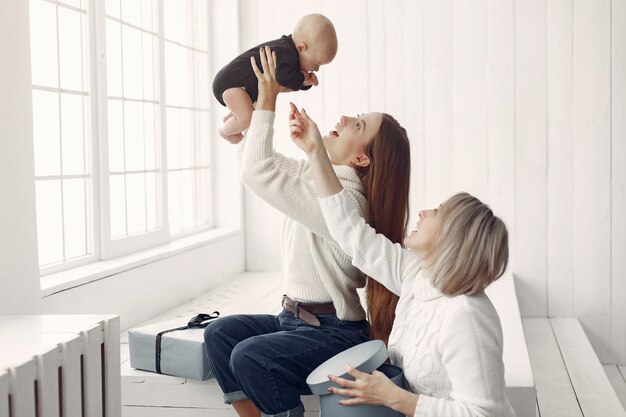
{"x":471,"y":349}
{"x":371,"y":252}
{"x":278,"y":180}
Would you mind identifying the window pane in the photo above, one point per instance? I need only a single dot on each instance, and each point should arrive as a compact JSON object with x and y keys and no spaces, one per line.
{"x":43,"y":43}
{"x":151,"y":201}
{"x":201,"y":13}
{"x":133,"y":135}
{"x":186,"y":77}
{"x":170,"y":19}
{"x":188,"y":199}
{"x":203,"y":89}
{"x":174,"y":207}
{"x":114,"y":58}
{"x":131,"y":52}
{"x":72,"y":134}
{"x":136,"y":198}
{"x":173,"y":138}
{"x":203,"y":195}
{"x":49,"y":224}
{"x":112,"y":8}
{"x":118,"y":206}
{"x":172,"y":76}
{"x":131,"y":12}
{"x":203,"y":157}
{"x":70,"y":49}
{"x":183,"y":23}
{"x":74,"y":216}
{"x":46,"y":133}
{"x":148,"y":12}
{"x":149,"y":113}
{"x":116,"y":135}
{"x":149,"y":71}
{"x":185,"y":138}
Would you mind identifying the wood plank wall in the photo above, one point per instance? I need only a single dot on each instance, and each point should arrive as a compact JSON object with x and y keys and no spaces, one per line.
{"x":521,"y":103}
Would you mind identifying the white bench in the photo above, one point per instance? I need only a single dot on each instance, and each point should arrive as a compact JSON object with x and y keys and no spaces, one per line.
{"x":149,"y":394}
{"x":570,"y":379}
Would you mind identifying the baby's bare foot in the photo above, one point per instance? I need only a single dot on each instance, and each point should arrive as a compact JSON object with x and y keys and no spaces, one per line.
{"x":234,"y":139}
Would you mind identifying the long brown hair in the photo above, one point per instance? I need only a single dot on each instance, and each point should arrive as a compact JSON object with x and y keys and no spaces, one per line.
{"x":386,"y":180}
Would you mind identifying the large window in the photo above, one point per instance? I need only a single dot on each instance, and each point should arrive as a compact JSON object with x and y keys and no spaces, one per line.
{"x":121,"y":122}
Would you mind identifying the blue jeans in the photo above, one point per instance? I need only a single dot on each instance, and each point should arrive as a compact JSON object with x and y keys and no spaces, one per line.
{"x":267,"y":359}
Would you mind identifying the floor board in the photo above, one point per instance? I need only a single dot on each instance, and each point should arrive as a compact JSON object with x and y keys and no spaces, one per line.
{"x":593,"y":390}
{"x":617,"y":381}
{"x":555,"y":395}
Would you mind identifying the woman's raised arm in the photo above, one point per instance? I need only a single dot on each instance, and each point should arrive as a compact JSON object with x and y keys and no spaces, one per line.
{"x":280,"y":183}
{"x":306,"y":134}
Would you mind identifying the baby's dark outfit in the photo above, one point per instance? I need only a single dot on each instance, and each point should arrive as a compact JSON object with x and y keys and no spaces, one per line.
{"x":239,"y":73}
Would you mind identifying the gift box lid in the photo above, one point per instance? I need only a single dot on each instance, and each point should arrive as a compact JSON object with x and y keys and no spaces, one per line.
{"x":365,"y":357}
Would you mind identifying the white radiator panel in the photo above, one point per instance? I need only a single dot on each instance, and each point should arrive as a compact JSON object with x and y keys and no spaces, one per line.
{"x":71,"y":378}
{"x":47,"y":378}
{"x":22,"y":389}
{"x":59,"y":366}
{"x":4,"y":394}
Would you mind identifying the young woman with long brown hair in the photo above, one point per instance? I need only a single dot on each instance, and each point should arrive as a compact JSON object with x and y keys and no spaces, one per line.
{"x":261,"y":361}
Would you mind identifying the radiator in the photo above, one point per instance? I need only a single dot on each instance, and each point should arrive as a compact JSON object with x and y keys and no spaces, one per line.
{"x":60,"y":366}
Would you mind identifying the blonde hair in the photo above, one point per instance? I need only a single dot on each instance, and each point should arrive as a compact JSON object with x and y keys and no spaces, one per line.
{"x":471,"y":248}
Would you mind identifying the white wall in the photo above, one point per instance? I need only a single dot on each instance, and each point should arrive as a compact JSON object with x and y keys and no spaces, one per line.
{"x":136,"y":294}
{"x":522,"y":104}
{"x":19,"y":281}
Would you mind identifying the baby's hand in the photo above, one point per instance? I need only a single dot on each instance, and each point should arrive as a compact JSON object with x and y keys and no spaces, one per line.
{"x":310,"y":78}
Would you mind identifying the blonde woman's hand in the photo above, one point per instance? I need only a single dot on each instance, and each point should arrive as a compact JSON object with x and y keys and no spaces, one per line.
{"x":268,"y":86}
{"x":304,"y":131}
{"x":374,"y":388}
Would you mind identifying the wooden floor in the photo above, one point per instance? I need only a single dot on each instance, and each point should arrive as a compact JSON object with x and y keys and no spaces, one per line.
{"x":569,"y":378}
{"x":617,"y":376}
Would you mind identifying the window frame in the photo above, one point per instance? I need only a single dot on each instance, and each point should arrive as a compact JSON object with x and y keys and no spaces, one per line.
{"x":110,"y":248}
{"x":97,"y":208}
{"x":91,"y":229}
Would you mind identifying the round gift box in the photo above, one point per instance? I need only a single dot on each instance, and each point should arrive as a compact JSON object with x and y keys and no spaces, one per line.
{"x":365,"y":357}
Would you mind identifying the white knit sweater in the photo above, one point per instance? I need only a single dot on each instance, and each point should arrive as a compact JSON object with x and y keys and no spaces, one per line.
{"x":316,"y":269}
{"x":450,"y":348}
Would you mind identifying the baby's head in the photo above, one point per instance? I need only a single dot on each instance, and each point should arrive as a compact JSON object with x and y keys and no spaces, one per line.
{"x":316,"y":41}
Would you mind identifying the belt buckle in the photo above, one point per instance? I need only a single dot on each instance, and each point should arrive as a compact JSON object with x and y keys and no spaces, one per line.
{"x":299,"y":312}
{"x":307,"y":317}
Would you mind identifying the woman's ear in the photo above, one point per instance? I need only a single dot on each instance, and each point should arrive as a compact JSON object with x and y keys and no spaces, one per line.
{"x":361,"y":160}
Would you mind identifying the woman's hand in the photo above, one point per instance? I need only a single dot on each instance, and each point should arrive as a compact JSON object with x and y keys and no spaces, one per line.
{"x":306,"y":135}
{"x":268,"y":86}
{"x":304,"y":131}
{"x":376,"y":388}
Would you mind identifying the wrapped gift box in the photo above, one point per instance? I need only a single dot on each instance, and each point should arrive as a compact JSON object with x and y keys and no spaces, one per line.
{"x":182,"y":351}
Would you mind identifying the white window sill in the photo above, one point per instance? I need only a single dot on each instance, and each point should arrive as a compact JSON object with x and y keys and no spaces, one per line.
{"x":65,"y":280}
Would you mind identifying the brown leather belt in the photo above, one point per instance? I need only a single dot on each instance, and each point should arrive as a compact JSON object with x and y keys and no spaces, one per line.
{"x":307,"y":312}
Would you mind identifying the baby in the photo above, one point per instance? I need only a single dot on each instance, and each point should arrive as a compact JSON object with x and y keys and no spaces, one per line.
{"x":312,"y":44}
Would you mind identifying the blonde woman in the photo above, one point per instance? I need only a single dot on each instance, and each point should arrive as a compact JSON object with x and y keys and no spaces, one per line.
{"x":446,"y":335}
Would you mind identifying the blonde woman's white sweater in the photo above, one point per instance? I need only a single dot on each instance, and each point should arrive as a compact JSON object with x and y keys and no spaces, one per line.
{"x":316,"y":269}
{"x":450,"y":348}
